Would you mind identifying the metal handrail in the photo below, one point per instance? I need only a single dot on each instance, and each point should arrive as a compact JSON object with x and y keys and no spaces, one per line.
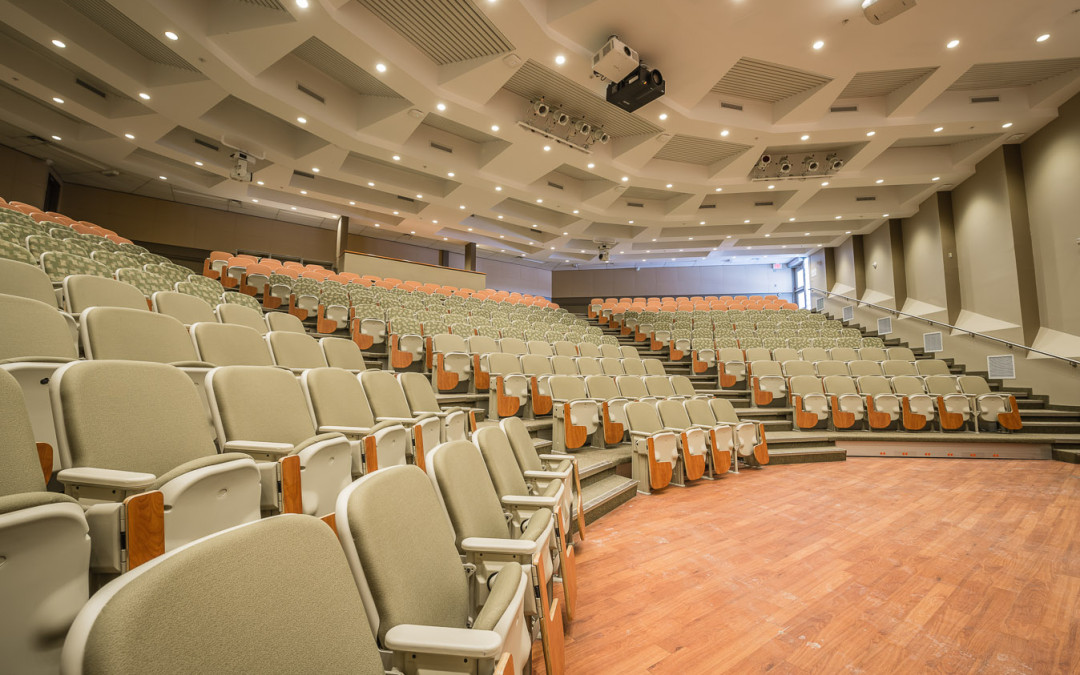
{"x":1072,"y":362}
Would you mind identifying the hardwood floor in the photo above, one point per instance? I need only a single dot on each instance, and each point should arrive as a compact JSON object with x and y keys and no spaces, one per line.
{"x":865,"y":566}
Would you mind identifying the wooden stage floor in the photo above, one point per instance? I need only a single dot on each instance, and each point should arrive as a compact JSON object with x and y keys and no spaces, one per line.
{"x":865,"y":566}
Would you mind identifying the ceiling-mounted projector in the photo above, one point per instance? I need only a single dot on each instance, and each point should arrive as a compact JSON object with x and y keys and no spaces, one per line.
{"x":615,"y":60}
{"x":879,"y":11}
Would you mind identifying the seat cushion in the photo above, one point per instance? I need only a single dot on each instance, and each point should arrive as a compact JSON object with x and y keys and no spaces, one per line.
{"x":201,"y":462}
{"x":28,"y":500}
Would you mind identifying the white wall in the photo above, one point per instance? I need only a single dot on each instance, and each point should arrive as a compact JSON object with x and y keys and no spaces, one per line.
{"x":673,"y":281}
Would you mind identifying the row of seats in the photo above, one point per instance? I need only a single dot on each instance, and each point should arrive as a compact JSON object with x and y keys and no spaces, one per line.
{"x":143,"y":421}
{"x":731,"y":363}
{"x":599,"y":307}
{"x":879,"y":401}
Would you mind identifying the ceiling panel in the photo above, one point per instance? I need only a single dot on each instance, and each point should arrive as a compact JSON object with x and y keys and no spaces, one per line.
{"x":764,"y":81}
{"x":882,"y":82}
{"x":448,"y":31}
{"x":117,"y":24}
{"x":323,"y":57}
{"x":1012,"y":74}
{"x":697,"y":150}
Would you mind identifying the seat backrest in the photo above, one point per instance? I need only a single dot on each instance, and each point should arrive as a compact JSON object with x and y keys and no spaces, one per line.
{"x":872,"y":354}
{"x":633,"y":366}
{"x":566,"y":387}
{"x":863,"y":367}
{"x":654,"y":367}
{"x":940,"y":385}
{"x":908,"y":385}
{"x":588,"y":365}
{"x":791,"y":368}
{"x":419,"y":393}
{"x":460,"y":475}
{"x":20,"y":471}
{"x":673,"y":414}
{"x":283,"y":321}
{"x":135,"y":335}
{"x":874,"y":385}
{"x":224,"y":344}
{"x":723,"y":411}
{"x":536,"y":364}
{"x":932,"y":367}
{"x":565,"y":348}
{"x":241,"y":315}
{"x":682,"y":385}
{"x":843,"y":354}
{"x":295,"y":350}
{"x":539,"y":347}
{"x":501,"y":463}
{"x":342,"y":353}
{"x":445,"y":342}
{"x":503,"y":364}
{"x":760,"y":368}
{"x":602,"y":387}
{"x":479,"y":344}
{"x":563,"y":365}
{"x":33,"y":328}
{"x":642,"y":416}
{"x":416,"y":579}
{"x":782,"y":354}
{"x":758,"y":354}
{"x":893,"y":367}
{"x":129,"y":416}
{"x":210,"y":604}
{"x":659,"y":385}
{"x":973,"y":384}
{"x":900,"y":354}
{"x":699,"y":411}
{"x":632,"y":386}
{"x":26,"y":281}
{"x":336,"y":398}
{"x":187,"y":309}
{"x":513,"y":345}
{"x":259,"y":403}
{"x":826,"y":368}
{"x":384,"y":394}
{"x":521,"y":443}
{"x":82,"y":291}
{"x":840,"y":384}
{"x":802,"y":385}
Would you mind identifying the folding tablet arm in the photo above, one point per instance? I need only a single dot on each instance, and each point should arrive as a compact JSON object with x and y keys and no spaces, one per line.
{"x":385,"y":444}
{"x":655,"y":457}
{"x":426,"y":432}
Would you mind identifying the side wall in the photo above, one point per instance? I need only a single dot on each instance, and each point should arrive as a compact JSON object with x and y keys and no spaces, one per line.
{"x":22,"y":178}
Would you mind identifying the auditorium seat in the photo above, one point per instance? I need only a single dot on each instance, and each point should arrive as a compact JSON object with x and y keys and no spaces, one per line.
{"x":882,"y":404}
{"x":283,"y":321}
{"x":863,"y":368}
{"x":36,"y":340}
{"x":693,"y":442}
{"x":723,"y":436}
{"x":127,"y":430}
{"x":337,"y":403}
{"x":654,"y":367}
{"x":261,"y":411}
{"x":848,"y":407}
{"x":917,"y":406}
{"x":343,"y":353}
{"x":809,"y":401}
{"x":44,"y":546}
{"x":544,"y":468}
{"x":295,"y":351}
{"x":605,"y":391}
{"x":26,"y":281}
{"x":419,"y":593}
{"x":893,"y":368}
{"x":82,"y":291}
{"x":406,"y":342}
{"x":655,"y":451}
{"x":456,"y":421}
{"x":187,"y":309}
{"x":799,"y":367}
{"x":225,"y":344}
{"x":587,"y":365}
{"x":829,"y":368}
{"x":900,"y":354}
{"x":216,"y":606}
{"x":134,"y":335}
{"x":387,"y":399}
{"x":998,"y":408}
{"x":576,"y":416}
{"x":767,"y":382}
{"x":452,"y":364}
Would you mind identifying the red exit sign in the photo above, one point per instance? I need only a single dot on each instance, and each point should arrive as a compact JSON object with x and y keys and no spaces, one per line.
{"x":778,"y":266}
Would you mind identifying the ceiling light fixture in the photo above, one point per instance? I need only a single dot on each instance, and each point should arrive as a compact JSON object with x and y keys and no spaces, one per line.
{"x":171,"y":35}
{"x":130,"y":137}
{"x":724,"y":132}
{"x":498,"y":188}
{"x":936,"y":178}
{"x":824,"y":183}
{"x":419,"y":196}
{"x":938,"y":130}
{"x":381,"y":67}
{"x":494,"y":127}
{"x":746,"y":222}
{"x":870,"y":133}
{"x":590,"y":165}
{"x":57,"y":99}
{"x":560,"y":59}
{"x":952,"y":44}
{"x":370,"y":184}
{"x":162,"y":178}
{"x":718,"y":190}
{"x":625,"y":178}
{"x":576,"y":211}
{"x":879,"y":181}
{"x":669,"y":186}
{"x":539,"y":201}
{"x":434,"y":222}
{"x":818,"y":44}
{"x":1006,"y":125}
{"x":303,"y":192}
{"x":293,"y":208}
{"x":791,"y":219}
{"x":839,"y":217}
{"x":301,"y":120}
{"x":1043,"y":38}
{"x":772,"y":187}
{"x":396,"y":158}
{"x":314,"y":169}
{"x":56,"y":138}
{"x":884,"y":215}
{"x":59,"y":43}
{"x":352,"y":203}
{"x":565,"y":233}
{"x":198,"y":163}
{"x":260,"y":183}
{"x":768,"y":235}
{"x":804,"y":137}
{"x":441,"y":107}
{"x":450,"y":174}
{"x":663,"y":116}
{"x":302,"y":4}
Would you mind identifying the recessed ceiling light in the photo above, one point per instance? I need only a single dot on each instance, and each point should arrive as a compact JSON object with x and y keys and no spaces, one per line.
{"x":879,"y":181}
{"x":435,"y":222}
{"x":1006,"y":125}
{"x":500,"y":217}
{"x":445,"y":239}
{"x":718,"y":190}
{"x":806,"y":234}
{"x":590,"y":165}
{"x":412,"y":231}
{"x":818,"y":44}
{"x":560,"y":59}
{"x":884,"y":215}
{"x":938,"y":129}
{"x":59,"y":43}
{"x":256,"y":201}
{"x":502,"y":236}
{"x":419,"y":196}
{"x":301,"y":120}
{"x":654,"y":240}
{"x":669,"y":186}
{"x":498,"y":188}
{"x":450,"y":174}
{"x":162,"y":178}
{"x":352,"y":203}
{"x":302,"y":4}
{"x":952,"y":44}
{"x":395,"y":213}
{"x":824,"y":183}
{"x":768,"y":235}
{"x":396,"y":158}
{"x":936,"y":178}
{"x":791,"y":219}
{"x":56,"y":138}
{"x":171,"y":35}
{"x":663,"y":116}
{"x":314,"y":169}
{"x":839,"y":217}
{"x":462,"y":207}
{"x":630,"y":222}
{"x":130,"y":137}
{"x":625,"y":178}
{"x":539,"y":201}
{"x":565,"y":233}
{"x":746,"y":222}
{"x":381,"y":67}
{"x":303,"y":192}
{"x":57,"y":99}
{"x":552,"y":248}
{"x":441,"y":107}
{"x":547,"y":148}
{"x":650,"y":250}
{"x":804,"y":137}
{"x":144,"y":96}
{"x":370,"y":184}
{"x":701,"y":223}
{"x":576,"y":211}
{"x":772,"y":187}
{"x":848,"y":232}
{"x":470,"y":229}
{"x":377,"y":225}
{"x":494,"y":127}
{"x":293,"y":208}
{"x":198,"y":163}
{"x":725,"y":132}
{"x":260,"y":183}
{"x":870,"y":133}
{"x":1043,"y":38}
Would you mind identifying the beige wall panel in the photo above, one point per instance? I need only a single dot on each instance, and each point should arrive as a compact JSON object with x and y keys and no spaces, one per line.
{"x":22,"y":178}
{"x":672,"y":281}
{"x":362,"y":263}
{"x":845,"y":267}
{"x":877,"y":256}
{"x":923,"y":256}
